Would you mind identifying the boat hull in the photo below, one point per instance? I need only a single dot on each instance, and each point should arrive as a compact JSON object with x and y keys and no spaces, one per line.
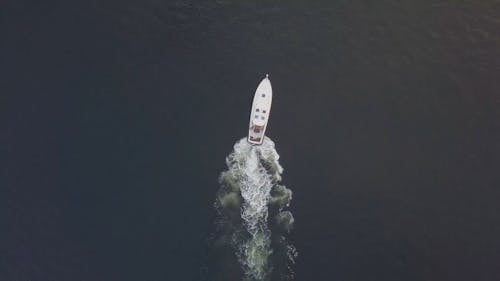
{"x":261,"y":109}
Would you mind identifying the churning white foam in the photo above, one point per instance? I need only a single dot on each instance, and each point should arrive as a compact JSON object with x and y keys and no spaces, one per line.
{"x":246,"y":165}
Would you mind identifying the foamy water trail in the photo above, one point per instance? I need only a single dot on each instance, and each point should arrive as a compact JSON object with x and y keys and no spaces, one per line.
{"x":250,"y":204}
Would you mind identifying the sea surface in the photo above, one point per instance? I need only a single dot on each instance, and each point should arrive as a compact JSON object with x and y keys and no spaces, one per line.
{"x":116,"y":118}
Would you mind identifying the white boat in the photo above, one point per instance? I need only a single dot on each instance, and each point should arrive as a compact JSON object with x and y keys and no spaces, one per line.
{"x":261,"y":108}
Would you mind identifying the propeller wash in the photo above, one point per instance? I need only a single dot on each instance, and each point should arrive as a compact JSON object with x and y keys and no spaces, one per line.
{"x":252,"y":218}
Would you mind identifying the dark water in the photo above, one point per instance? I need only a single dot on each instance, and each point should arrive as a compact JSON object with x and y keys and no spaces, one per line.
{"x":116,"y":117}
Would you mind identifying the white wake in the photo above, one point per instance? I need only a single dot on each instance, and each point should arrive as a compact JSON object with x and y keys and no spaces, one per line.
{"x":253,"y":175}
